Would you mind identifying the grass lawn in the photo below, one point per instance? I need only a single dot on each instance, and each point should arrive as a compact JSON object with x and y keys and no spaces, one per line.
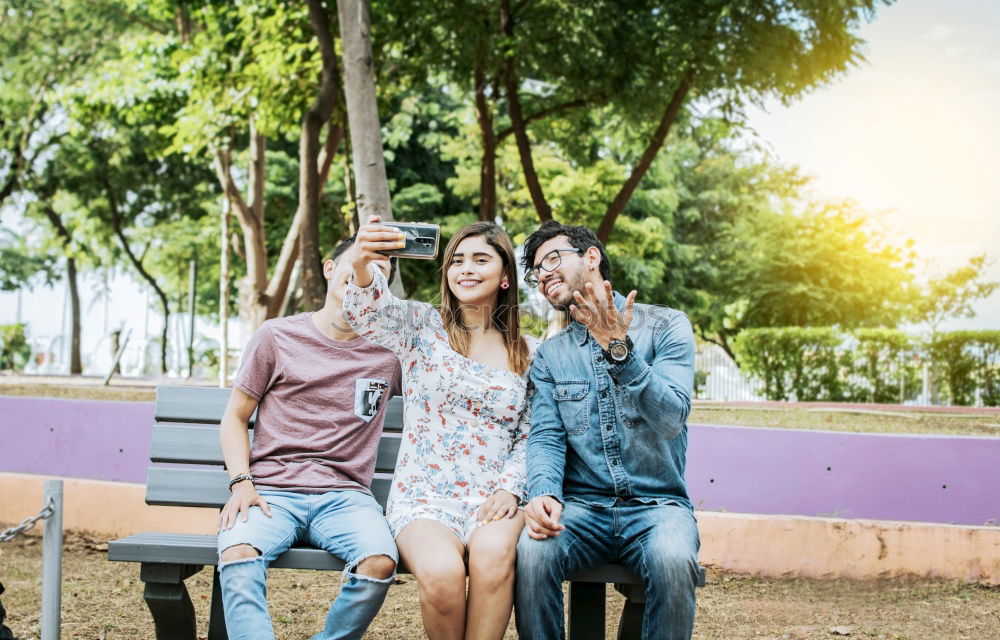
{"x":853,"y":419}
{"x":789,"y":417}
{"x":103,"y":599}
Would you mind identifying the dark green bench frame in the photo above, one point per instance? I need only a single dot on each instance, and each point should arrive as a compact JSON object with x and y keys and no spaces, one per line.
{"x":187,"y":471}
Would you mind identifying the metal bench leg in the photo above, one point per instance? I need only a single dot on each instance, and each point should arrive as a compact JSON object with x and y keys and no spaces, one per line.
{"x":586,"y":610}
{"x":217,"y":618}
{"x":630,"y":625}
{"x":168,"y":599}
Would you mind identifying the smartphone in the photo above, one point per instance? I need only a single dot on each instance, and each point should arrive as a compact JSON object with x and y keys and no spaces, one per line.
{"x":422,"y":239}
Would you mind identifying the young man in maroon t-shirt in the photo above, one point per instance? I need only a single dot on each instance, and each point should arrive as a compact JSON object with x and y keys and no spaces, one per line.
{"x":320,"y":392}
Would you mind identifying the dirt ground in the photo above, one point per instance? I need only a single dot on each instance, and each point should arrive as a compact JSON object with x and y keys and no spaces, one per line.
{"x":103,"y":600}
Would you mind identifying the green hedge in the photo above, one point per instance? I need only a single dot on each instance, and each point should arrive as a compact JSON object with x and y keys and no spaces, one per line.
{"x":870,"y":365}
{"x":883,"y":365}
{"x":793,"y":361}
{"x":964,"y":361}
{"x":14,"y":348}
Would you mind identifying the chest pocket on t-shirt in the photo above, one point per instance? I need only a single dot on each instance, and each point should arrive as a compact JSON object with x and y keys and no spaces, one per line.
{"x":572,"y":399}
{"x":369,"y":394}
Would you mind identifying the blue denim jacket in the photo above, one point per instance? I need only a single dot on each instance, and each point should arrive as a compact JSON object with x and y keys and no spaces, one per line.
{"x":601,"y":432}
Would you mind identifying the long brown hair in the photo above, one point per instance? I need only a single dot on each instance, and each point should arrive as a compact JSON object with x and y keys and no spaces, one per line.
{"x":505,"y":315}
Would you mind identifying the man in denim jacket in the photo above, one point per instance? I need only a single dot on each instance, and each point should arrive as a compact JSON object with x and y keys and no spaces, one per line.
{"x":607,"y":443}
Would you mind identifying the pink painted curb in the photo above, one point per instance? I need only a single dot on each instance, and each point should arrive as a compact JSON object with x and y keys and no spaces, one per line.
{"x":767,"y":545}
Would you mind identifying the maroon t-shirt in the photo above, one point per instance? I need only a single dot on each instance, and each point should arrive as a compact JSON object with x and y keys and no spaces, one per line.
{"x":321,"y":406}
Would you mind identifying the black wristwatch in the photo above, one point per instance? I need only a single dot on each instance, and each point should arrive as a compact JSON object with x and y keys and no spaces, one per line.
{"x":618,"y":351}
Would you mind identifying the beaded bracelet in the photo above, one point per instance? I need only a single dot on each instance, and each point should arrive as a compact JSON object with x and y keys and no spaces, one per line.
{"x":241,"y":478}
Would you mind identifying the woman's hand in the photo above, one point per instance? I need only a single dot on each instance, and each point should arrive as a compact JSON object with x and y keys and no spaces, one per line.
{"x":373,"y":238}
{"x":501,"y":504}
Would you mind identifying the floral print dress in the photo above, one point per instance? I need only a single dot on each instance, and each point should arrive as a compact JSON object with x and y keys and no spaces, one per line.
{"x":465,"y":424}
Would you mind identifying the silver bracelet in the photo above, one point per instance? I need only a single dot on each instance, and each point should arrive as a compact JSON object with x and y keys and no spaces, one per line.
{"x":241,"y":478}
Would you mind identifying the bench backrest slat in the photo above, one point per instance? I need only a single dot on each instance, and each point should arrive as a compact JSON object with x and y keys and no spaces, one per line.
{"x":199,"y":444}
{"x":205,"y":405}
{"x":172,"y":486}
{"x":190,"y":404}
{"x":187,"y":432}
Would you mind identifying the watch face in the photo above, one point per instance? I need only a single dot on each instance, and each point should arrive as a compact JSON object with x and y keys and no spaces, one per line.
{"x":618,"y":351}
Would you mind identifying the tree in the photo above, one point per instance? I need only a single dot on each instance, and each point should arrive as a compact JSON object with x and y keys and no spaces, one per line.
{"x":645,"y":60}
{"x":253,"y":71}
{"x":46,"y":46}
{"x":112,"y":170}
{"x":952,"y":295}
{"x":22,"y":265}
{"x":815,"y":268}
{"x":362,"y":110}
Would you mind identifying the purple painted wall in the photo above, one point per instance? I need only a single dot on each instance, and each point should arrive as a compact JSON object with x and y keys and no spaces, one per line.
{"x":76,"y":438}
{"x":950,"y":479}
{"x":744,"y":470}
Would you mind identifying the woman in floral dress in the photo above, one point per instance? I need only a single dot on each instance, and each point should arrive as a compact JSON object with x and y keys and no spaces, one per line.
{"x":460,"y":473}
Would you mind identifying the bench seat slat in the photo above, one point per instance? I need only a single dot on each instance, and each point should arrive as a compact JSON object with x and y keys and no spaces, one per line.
{"x":181,"y":548}
{"x":201,"y":549}
{"x":199,"y":444}
{"x":167,"y":486}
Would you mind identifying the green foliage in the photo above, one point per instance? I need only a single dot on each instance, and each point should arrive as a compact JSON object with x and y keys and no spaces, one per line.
{"x":45,"y":45}
{"x":952,"y":295}
{"x":716,"y":227}
{"x":964,"y":361}
{"x":879,"y":362}
{"x":242,"y":60}
{"x":21,"y":265}
{"x":868,"y":365}
{"x":818,"y":268}
{"x":14,"y":348}
{"x":799,"y":362}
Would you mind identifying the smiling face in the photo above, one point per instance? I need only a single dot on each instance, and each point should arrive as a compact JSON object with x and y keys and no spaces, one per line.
{"x":475,"y":272}
{"x":571,"y":275}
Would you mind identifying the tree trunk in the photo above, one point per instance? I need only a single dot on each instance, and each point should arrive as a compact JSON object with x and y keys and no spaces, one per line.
{"x":224,"y":294}
{"x":371,"y":184}
{"x":370,"y":180}
{"x":351,"y":217}
{"x":75,"y":364}
{"x":488,"y":164}
{"x":655,"y":144}
{"x":313,"y":282}
{"x":260,"y":298}
{"x":117,"y":225}
{"x":517,"y":121}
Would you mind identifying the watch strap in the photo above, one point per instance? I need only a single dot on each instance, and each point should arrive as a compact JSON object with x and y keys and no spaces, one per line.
{"x":607,"y":352}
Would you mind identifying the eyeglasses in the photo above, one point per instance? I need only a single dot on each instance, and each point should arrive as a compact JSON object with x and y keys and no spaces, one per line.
{"x":550,"y":262}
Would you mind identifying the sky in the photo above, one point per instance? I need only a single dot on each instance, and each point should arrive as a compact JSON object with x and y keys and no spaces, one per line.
{"x":912,"y":134}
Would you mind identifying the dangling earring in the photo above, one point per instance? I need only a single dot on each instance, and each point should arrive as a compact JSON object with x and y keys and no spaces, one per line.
{"x":504,"y":284}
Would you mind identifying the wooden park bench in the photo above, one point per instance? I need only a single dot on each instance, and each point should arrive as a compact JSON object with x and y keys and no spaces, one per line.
{"x":187,"y":471}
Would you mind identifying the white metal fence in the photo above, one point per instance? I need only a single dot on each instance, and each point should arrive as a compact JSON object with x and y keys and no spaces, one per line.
{"x":718,"y":378}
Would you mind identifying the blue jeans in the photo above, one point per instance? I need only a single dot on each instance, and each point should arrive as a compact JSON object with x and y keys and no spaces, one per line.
{"x":658,"y":542}
{"x":349,"y":524}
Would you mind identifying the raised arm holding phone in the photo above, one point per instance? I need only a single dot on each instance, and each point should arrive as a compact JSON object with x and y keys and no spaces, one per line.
{"x":320,"y":393}
{"x":460,"y":472}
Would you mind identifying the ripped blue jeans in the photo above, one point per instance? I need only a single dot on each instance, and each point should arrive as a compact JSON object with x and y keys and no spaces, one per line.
{"x":347,"y":523}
